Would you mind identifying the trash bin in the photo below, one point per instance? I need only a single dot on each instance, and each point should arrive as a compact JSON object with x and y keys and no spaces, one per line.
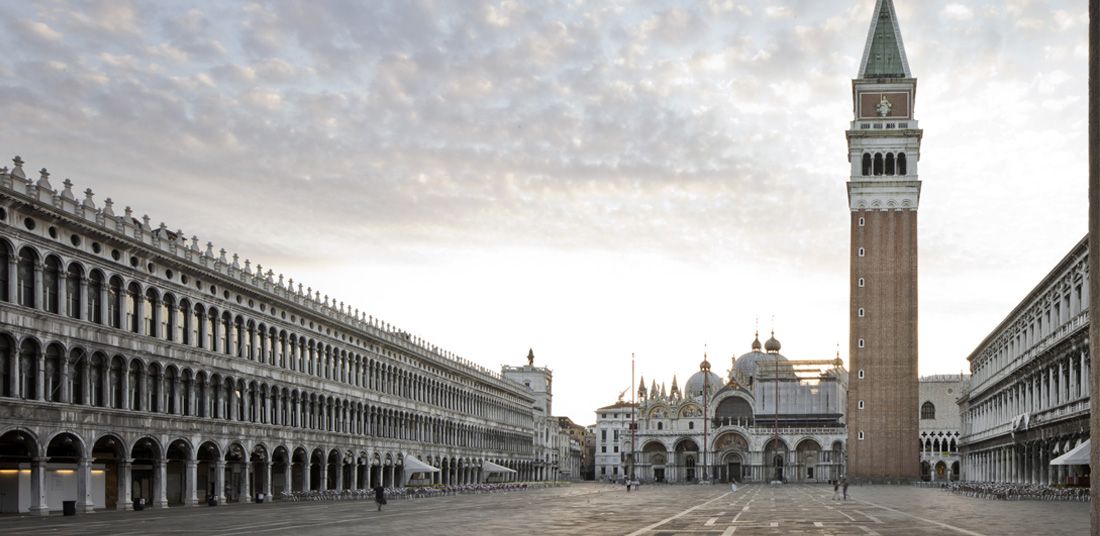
{"x":139,"y":504}
{"x":68,"y":508}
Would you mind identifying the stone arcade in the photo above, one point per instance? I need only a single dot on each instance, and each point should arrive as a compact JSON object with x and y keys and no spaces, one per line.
{"x":135,"y":364}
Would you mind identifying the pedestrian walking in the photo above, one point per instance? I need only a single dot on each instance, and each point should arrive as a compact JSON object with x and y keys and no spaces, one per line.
{"x":845,"y":486}
{"x":836,"y":490}
{"x":380,"y":496}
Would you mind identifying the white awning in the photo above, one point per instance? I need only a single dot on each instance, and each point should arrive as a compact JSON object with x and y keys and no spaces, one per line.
{"x":1078,"y":456}
{"x":413,"y":465}
{"x":490,"y":467}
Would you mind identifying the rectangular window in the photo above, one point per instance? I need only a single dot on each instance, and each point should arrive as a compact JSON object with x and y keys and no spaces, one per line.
{"x":861,"y":404}
{"x":862,"y":374}
{"x":861,"y":435}
{"x":861,"y":252}
{"x":860,"y":312}
{"x":861,"y":282}
{"x":861,"y":343}
{"x":862,"y":221}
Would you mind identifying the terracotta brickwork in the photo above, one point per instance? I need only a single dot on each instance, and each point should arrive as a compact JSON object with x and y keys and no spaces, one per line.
{"x":887,"y":360}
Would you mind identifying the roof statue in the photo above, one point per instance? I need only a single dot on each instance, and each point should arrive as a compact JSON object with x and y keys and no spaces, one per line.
{"x":530,"y":357}
{"x":884,"y":55}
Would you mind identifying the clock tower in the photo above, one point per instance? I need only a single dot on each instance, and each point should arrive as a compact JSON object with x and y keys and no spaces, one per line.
{"x":883,"y":196}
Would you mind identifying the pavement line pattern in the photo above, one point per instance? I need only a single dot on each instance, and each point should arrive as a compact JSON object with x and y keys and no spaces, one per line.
{"x":644,"y":530}
{"x":926,"y":520}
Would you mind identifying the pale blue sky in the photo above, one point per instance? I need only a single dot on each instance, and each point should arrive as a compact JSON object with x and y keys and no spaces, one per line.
{"x":589,"y":179}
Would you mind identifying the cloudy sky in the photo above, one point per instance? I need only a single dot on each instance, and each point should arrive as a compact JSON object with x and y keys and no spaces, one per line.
{"x":585,"y":178}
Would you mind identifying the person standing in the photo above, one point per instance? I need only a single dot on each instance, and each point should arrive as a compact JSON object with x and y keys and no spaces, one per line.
{"x":844,"y":484}
{"x":836,"y":490}
{"x":380,"y":496}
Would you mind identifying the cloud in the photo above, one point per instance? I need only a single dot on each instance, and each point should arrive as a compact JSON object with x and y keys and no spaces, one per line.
{"x":957,"y":12}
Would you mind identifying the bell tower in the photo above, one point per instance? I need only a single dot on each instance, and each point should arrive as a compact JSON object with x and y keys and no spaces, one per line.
{"x":883,"y":196}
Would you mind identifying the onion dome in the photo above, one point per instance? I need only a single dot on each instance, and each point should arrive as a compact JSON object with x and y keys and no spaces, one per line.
{"x":772,"y":346}
{"x":756,"y":342}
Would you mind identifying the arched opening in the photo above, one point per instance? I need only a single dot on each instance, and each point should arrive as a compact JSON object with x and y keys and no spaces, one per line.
{"x":107,"y":453}
{"x":134,"y":307}
{"x":97,"y":380}
{"x":146,"y":472}
{"x":280,"y":472}
{"x":776,"y":454}
{"x":206,"y":477}
{"x":114,"y":302}
{"x":8,"y":364}
{"x":51,"y":281}
{"x":299,"y":473}
{"x":17,"y":449}
{"x":866,"y":164}
{"x":28,"y":261}
{"x":73,"y":277}
{"x":236,"y":472}
{"x":78,"y":376}
{"x":94,"y":311}
{"x":176,"y":484}
{"x":332,"y":469}
{"x":28,"y":370}
{"x":941,"y":471}
{"x":66,"y":480}
{"x":889,"y":163}
{"x":687,"y":456}
{"x":316,"y":469}
{"x":116,"y":373}
{"x":733,"y":411}
{"x":878,"y":165}
{"x":955,"y":472}
{"x":903,"y":168}
{"x":5,"y":275}
{"x":925,"y":471}
{"x":55,"y":361}
{"x":259,"y":483}
{"x":809,"y":454}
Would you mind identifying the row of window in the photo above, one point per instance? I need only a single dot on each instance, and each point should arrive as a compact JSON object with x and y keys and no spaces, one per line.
{"x":90,"y":295}
{"x":888,"y":164}
{"x":97,"y":380}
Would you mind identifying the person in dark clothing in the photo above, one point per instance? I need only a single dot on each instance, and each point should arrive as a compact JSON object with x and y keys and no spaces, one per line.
{"x":380,"y":496}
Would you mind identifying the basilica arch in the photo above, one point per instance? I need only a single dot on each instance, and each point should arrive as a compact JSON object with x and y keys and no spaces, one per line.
{"x":687,"y":462}
{"x":731,"y":456}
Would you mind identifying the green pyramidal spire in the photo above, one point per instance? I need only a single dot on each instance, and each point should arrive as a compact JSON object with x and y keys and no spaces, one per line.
{"x":884,"y":56}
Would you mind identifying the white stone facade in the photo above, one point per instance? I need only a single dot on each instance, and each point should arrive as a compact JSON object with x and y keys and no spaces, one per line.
{"x":1028,"y":400}
{"x":940,"y":426}
{"x":135,"y":364}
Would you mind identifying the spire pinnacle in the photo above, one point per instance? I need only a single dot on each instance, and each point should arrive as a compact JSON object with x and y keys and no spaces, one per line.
{"x":884,"y":55}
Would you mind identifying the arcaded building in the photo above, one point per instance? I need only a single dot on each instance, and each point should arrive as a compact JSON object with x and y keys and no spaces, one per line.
{"x":137,"y":363}
{"x":884,"y":141}
{"x":941,"y":425}
{"x":1028,"y":401}
{"x":771,"y":418}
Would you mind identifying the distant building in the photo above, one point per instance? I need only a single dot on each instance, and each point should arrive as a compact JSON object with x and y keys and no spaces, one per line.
{"x":557,"y":454}
{"x":1028,"y":399}
{"x":940,"y":425}
{"x":771,"y":418}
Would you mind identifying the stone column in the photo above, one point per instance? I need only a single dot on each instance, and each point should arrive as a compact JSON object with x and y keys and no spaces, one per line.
{"x":354,"y":484}
{"x":305,"y":474}
{"x":267,"y":480}
{"x":66,"y":383}
{"x":125,"y":479}
{"x":287,"y":477}
{"x":246,"y":481}
{"x":39,"y":506}
{"x":13,"y":278}
{"x":160,"y":484}
{"x":84,"y":502}
{"x":39,"y":287}
{"x":40,"y":374}
{"x":219,"y":480}
{"x":190,"y":483}
{"x":322,"y":483}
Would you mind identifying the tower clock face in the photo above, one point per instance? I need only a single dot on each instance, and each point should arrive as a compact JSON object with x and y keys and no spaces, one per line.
{"x":878,"y":104}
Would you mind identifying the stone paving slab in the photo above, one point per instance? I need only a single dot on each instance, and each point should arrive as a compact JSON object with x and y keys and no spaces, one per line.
{"x":600,"y":509}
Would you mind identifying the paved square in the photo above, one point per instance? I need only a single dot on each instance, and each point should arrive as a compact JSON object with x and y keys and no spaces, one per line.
{"x":601,"y":509}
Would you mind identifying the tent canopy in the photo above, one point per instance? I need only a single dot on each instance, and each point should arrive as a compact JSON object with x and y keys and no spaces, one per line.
{"x":413,"y":465}
{"x":1079,"y":455}
{"x":490,"y":467}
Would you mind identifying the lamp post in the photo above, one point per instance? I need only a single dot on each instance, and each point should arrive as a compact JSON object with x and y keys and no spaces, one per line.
{"x":705,"y":367}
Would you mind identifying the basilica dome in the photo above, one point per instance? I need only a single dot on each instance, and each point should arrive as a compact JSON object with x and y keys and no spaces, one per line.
{"x":694,"y":385}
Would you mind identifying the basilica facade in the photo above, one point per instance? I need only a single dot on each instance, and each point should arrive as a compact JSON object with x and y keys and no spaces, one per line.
{"x":770,"y":418}
{"x":137,"y":365}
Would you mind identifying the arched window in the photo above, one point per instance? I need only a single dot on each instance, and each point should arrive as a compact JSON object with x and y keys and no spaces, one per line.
{"x":114,"y":302}
{"x":903,"y":168}
{"x":27,"y":261}
{"x":72,"y":290}
{"x":51,"y":277}
{"x":5,"y":256}
{"x":889,"y":163}
{"x":927,"y":411}
{"x":95,"y":300}
{"x":866,"y":164}
{"x":878,"y":164}
{"x":660,"y":426}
